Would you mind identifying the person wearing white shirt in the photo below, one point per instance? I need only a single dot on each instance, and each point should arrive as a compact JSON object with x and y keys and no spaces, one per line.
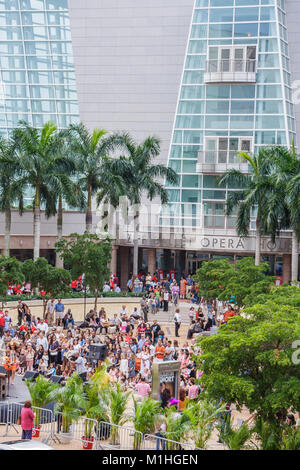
{"x":42,"y":341}
{"x":177,"y":320}
{"x":43,"y":326}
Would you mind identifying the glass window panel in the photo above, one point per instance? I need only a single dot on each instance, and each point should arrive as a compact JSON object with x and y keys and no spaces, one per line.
{"x":192,"y":77}
{"x":189,"y":122}
{"x":56,"y":4}
{"x":40,"y":77}
{"x":37,"y":48}
{"x":197,"y":47}
{"x":265,"y":138}
{"x":190,"y":181}
{"x":191,"y":196}
{"x":268,"y":60}
{"x":242,"y":107}
{"x":40,"y":120}
{"x":267,"y":13}
{"x":216,"y":122}
{"x":43,"y":106}
{"x":199,"y":31}
{"x":16,"y":91}
{"x":192,"y":137}
{"x":200,"y":16}
{"x":190,"y":151}
{"x":174,"y":195}
{"x":241,"y":3}
{"x":190,"y":107}
{"x":38,"y":91}
{"x":210,"y":181}
{"x":32,"y":4}
{"x":214,"y":194}
{"x":9,"y":19}
{"x":268,"y":76}
{"x":12,"y":62}
{"x":9,"y":4}
{"x":175,"y":165}
{"x":33,"y":18}
{"x":215,"y":107}
{"x":243,"y":91}
{"x":35,"y":33}
{"x":202,"y":3}
{"x":195,"y":62}
{"x":246,"y":30}
{"x":177,"y":137}
{"x":220,"y":31}
{"x":269,"y":107}
{"x":62,"y":62}
{"x":58,"y":18}
{"x":222,"y":91}
{"x":10,"y":34}
{"x":41,"y":63}
{"x":66,"y":92}
{"x":268,"y":29}
{"x":64,"y":77}
{"x":221,"y":15}
{"x":269,"y":91}
{"x":241,"y":122}
{"x":192,"y":92}
{"x":270,"y":122}
{"x":221,"y":3}
{"x":61,"y":47}
{"x":176,"y":151}
{"x":60,"y":33}
{"x":65,"y":120}
{"x":13,"y":48}
{"x":17,"y":105}
{"x":189,"y":166}
{"x":14,"y":76}
{"x":14,"y":118}
{"x":268,"y":45}
{"x":246,"y":14}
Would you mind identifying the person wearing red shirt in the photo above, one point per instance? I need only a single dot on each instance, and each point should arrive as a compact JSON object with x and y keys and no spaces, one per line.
{"x":27,"y":417}
{"x":2,"y":323}
{"x":229,"y":314}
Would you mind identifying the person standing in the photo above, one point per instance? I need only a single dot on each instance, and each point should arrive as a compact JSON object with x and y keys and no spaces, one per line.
{"x":21,"y":309}
{"x":60,"y":312}
{"x":2,"y":323}
{"x":166,"y":300}
{"x":50,"y":312}
{"x":177,"y":320}
{"x":27,"y":417}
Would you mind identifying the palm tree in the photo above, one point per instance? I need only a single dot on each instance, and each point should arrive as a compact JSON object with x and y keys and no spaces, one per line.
{"x":11,"y":185}
{"x":143,"y":179}
{"x":145,"y":415}
{"x":94,"y":165}
{"x":117,"y":406}
{"x":41,"y":392}
{"x":41,"y":158}
{"x":258,"y":190}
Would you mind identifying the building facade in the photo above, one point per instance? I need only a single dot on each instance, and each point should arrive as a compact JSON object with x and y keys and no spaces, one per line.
{"x":209,"y":77}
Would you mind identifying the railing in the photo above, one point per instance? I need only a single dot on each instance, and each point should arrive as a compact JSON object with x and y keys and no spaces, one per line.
{"x":220,"y":157}
{"x":112,"y":436}
{"x":227,"y":70}
{"x":158,"y":442}
{"x":231,"y":65}
{"x":83,"y":430}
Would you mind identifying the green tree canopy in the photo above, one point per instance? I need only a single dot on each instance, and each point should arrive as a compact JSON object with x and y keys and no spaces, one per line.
{"x":222,"y":279}
{"x":10,"y":273}
{"x":89,"y":255}
{"x":252,"y":361}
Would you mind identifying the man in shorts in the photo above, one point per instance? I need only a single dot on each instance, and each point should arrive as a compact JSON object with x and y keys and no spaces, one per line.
{"x":59,"y":312}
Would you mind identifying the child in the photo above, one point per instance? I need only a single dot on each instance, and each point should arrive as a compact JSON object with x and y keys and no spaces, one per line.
{"x":22,"y":362}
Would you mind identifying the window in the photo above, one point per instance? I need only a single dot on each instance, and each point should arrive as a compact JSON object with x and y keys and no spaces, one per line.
{"x":214,"y":214}
{"x":232,"y":59}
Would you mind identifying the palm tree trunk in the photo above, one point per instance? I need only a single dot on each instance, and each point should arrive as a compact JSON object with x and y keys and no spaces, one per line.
{"x":59,"y":263}
{"x":88,"y":215}
{"x":135,"y":243}
{"x":295,"y":256}
{"x":37,"y":225}
{"x":257,"y":244}
{"x":7,"y":231}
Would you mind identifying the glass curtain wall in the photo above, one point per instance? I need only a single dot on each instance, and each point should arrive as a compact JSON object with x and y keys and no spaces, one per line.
{"x":224,"y":116}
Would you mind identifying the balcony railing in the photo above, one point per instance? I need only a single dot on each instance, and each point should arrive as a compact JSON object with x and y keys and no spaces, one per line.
{"x":226,"y":70}
{"x":212,"y":162}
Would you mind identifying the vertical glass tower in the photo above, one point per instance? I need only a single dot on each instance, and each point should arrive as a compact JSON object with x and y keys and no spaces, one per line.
{"x":235,"y":96}
{"x":37,"y":77}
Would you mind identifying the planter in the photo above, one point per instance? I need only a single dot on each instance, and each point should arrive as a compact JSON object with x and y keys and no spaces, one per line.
{"x":65,"y":437}
{"x":36,"y":431}
{"x":87,"y":442}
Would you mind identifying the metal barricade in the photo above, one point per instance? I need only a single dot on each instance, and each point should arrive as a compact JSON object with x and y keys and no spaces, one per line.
{"x":83,"y":430}
{"x":112,"y":436}
{"x":42,"y":424}
{"x":157,"y":442}
{"x":4,"y":417}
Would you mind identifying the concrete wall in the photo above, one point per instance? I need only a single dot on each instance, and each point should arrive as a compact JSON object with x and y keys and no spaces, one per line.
{"x":129,"y":58}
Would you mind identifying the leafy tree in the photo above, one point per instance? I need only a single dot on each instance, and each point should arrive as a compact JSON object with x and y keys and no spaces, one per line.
{"x":251,"y":362}
{"x":40,"y":391}
{"x":11,"y":185}
{"x":145,"y":415}
{"x":89,"y":255}
{"x":10,"y":273}
{"x":118,"y":400}
{"x":41,"y":159}
{"x":143,"y":179}
{"x":96,"y":169}
{"x":222,"y":279}
{"x":257,"y":192}
{"x":42,"y":275}
{"x":237,"y":439}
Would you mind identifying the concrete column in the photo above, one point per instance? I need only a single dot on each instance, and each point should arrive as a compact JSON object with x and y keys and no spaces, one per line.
{"x":113,"y":263}
{"x":286,"y":269}
{"x":151,"y":260}
{"x":124,"y":263}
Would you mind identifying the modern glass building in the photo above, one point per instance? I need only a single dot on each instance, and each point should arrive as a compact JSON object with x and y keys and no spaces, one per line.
{"x":37,"y":77}
{"x":209,"y":77}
